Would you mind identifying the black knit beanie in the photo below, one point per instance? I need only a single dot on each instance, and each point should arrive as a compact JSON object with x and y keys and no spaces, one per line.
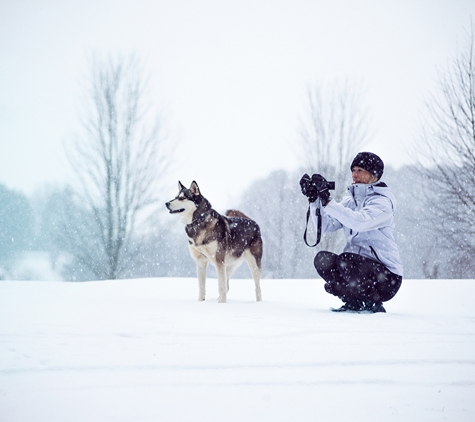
{"x":370,"y":162}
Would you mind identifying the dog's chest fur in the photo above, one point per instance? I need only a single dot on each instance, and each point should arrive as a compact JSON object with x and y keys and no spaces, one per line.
{"x":207,"y":227}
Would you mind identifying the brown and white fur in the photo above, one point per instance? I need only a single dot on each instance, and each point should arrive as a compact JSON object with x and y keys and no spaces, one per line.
{"x":224,"y":241}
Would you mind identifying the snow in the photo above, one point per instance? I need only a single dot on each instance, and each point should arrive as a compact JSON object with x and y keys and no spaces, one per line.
{"x":147,"y":350}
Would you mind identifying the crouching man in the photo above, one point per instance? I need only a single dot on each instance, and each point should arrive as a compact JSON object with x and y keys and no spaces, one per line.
{"x":369,"y":271}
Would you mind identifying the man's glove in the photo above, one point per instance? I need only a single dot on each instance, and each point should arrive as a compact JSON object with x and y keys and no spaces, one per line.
{"x":322,"y":188}
{"x":325,"y":197}
{"x":308,"y":188}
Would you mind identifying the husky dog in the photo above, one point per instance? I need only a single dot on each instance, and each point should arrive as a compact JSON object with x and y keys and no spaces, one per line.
{"x":224,"y":241}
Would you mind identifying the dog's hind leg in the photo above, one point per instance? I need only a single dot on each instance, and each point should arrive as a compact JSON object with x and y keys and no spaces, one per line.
{"x":230,"y":269}
{"x":256,"y":275}
{"x":255,"y":267}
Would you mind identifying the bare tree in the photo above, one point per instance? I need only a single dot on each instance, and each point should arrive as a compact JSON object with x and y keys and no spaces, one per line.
{"x":332,"y":131}
{"x":276,"y":204}
{"x":446,"y":154}
{"x":117,"y":160}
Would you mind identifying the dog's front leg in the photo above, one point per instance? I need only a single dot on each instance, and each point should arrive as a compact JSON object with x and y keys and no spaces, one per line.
{"x":201,"y":273}
{"x":222,"y":282}
{"x":201,"y":263}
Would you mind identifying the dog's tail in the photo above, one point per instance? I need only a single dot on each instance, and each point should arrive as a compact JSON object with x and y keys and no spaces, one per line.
{"x":235,"y":213}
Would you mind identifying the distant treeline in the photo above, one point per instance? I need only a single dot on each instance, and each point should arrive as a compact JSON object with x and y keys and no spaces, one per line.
{"x":428,"y":246}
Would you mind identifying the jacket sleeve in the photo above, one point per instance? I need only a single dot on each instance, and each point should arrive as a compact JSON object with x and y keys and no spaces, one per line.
{"x":329,"y":224}
{"x":375,"y":214}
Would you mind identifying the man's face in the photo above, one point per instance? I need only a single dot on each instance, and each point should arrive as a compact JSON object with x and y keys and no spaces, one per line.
{"x":360,"y":175}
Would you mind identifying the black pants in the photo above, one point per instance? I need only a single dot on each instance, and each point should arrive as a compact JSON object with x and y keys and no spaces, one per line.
{"x":351,"y":276}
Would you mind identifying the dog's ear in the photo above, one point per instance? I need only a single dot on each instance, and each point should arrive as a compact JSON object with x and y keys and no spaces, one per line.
{"x":195,"y":190}
{"x":180,"y":186}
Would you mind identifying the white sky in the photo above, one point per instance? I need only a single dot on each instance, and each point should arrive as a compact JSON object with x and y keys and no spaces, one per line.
{"x":229,"y":76}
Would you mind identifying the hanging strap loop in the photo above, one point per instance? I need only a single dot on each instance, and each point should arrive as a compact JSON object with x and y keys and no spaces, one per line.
{"x":319,"y":226}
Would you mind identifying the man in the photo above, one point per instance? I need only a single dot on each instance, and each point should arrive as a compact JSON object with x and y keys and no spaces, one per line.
{"x":369,"y":271}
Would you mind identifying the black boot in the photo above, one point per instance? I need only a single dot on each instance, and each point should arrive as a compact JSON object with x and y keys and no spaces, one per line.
{"x":351,"y":305}
{"x":374,"y":308}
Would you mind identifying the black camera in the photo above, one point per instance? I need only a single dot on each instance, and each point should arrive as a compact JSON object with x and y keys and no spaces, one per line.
{"x":313,"y":186}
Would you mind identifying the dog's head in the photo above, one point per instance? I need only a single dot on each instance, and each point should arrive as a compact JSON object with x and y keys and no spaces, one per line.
{"x":186,"y":202}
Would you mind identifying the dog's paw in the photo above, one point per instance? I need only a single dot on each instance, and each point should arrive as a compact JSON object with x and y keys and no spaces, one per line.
{"x":222,"y":299}
{"x":201,"y":298}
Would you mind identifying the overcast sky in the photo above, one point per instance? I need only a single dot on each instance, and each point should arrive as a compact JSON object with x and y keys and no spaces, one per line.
{"x":229,"y":76}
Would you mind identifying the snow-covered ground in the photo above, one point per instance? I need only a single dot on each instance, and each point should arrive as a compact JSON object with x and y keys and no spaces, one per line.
{"x":147,"y":350}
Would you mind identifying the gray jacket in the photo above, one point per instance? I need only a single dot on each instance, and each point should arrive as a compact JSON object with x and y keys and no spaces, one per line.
{"x":366,"y":215}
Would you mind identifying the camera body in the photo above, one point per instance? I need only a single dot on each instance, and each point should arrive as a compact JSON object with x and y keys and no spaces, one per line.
{"x":313,"y":186}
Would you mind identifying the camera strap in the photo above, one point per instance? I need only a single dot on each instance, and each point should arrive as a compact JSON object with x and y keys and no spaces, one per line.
{"x":319,"y":227}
